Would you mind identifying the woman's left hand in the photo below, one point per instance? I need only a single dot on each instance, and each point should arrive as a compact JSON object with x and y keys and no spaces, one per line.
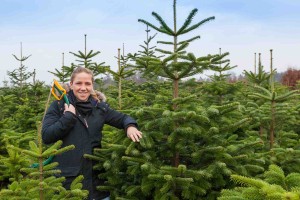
{"x":134,"y":134}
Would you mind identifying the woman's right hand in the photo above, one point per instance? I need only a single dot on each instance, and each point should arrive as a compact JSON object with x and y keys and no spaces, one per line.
{"x":70,"y":108}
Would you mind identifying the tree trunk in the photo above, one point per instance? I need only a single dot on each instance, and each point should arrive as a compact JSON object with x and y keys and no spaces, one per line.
{"x":176,"y":157}
{"x":272,"y":126}
{"x":40,"y":163}
{"x":120,"y":82}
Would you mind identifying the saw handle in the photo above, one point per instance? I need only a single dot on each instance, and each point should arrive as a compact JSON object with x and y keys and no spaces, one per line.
{"x":63,"y":94}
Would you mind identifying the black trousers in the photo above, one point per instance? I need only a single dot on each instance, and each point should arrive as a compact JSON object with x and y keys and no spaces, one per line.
{"x":94,"y":194}
{"x":90,"y":181}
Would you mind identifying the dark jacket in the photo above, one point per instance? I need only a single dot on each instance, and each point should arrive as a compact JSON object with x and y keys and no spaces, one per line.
{"x":84,"y":133}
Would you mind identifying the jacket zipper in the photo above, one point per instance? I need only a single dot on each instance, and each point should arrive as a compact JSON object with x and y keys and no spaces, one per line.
{"x":86,"y":124}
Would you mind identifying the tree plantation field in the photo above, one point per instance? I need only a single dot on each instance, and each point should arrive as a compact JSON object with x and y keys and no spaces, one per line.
{"x":219,"y":138}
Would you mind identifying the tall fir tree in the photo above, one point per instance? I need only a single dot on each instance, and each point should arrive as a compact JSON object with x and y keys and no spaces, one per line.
{"x":179,"y":64}
{"x":85,"y":60}
{"x":19,"y":76}
{"x":124,"y":71}
{"x":258,"y":77}
{"x":143,"y":57}
{"x":273,"y":110}
{"x":219,"y":90}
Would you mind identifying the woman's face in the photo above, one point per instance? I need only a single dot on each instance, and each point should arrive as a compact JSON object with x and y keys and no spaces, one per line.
{"x":82,"y":85}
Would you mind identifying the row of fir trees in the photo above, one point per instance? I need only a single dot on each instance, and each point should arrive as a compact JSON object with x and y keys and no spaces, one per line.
{"x":207,"y":140}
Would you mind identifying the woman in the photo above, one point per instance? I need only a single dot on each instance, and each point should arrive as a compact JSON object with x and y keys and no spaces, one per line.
{"x":81,"y":124}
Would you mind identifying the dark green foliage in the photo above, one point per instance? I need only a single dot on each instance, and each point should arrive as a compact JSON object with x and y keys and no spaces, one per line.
{"x":203,"y":146}
{"x":192,"y":143}
{"x":186,"y":153}
{"x":7,"y":105}
{"x":273,"y":112}
{"x":11,"y":161}
{"x":25,"y":116}
{"x":219,"y":90}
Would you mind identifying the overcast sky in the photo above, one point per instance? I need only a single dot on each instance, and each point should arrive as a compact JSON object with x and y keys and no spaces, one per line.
{"x":49,"y":28}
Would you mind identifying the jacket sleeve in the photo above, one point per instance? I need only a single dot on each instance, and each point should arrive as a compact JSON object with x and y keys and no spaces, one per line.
{"x":117,"y":119}
{"x":56,"y":125}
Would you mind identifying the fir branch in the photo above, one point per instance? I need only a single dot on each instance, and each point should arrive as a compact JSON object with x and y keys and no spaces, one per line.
{"x":237,"y":124}
{"x":168,"y":72}
{"x":164,"y":51}
{"x":189,"y":40}
{"x":132,"y":159}
{"x":91,"y":54}
{"x":154,"y":27}
{"x":33,"y":147}
{"x":263,"y":90}
{"x":183,"y":46}
{"x":185,"y":73}
{"x":287,"y":95}
{"x":92,"y":157}
{"x":245,"y":181}
{"x":164,"y":42}
{"x":163,"y":24}
{"x":80,"y":55}
{"x":167,"y":59}
{"x":187,"y":21}
{"x":21,"y":59}
{"x":258,"y":96}
{"x":197,"y":25}
{"x":64,"y":149}
{"x":54,"y":146}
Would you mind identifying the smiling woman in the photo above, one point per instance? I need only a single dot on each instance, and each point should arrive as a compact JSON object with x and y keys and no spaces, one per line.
{"x":81,"y":124}
{"x":82,"y":85}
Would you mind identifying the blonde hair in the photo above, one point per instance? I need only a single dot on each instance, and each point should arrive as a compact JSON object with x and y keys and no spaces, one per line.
{"x":98,"y":96}
{"x":79,"y":70}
